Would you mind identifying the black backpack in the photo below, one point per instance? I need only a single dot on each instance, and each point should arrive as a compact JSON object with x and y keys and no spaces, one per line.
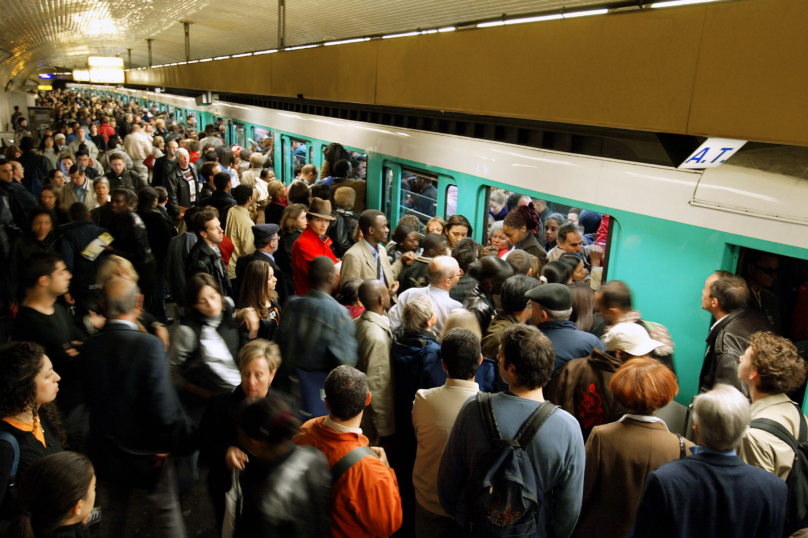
{"x":503,"y":497}
{"x":797,"y":481}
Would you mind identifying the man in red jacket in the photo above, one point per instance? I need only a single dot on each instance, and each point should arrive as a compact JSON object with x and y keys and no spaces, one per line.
{"x":366,"y":500}
{"x":312,"y":243}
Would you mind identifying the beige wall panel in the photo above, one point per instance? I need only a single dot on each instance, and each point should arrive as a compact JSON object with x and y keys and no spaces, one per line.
{"x":753,"y":72}
{"x":339,"y":73}
{"x":632,"y":70}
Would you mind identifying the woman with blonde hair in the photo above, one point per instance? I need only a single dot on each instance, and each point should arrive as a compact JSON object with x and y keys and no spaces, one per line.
{"x":258,"y":362}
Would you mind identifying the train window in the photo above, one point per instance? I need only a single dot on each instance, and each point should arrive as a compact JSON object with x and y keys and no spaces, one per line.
{"x":451,"y":201}
{"x":359,"y":165}
{"x":239,"y":137}
{"x":499,"y":200}
{"x":170,"y":109}
{"x":419,"y":195}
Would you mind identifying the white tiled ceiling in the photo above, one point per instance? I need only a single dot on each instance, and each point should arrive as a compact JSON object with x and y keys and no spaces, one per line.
{"x":43,"y":33}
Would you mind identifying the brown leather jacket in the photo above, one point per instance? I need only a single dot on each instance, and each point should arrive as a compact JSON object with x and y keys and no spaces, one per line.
{"x":581,"y":388}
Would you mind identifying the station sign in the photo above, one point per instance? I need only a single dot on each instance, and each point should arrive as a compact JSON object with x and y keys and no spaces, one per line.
{"x":46,"y":76}
{"x":712,"y":153}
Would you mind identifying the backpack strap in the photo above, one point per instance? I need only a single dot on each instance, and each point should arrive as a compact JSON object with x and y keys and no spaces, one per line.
{"x":776,"y":429}
{"x":489,"y":419}
{"x":15,"y":446}
{"x":803,"y":435}
{"x":534,"y":423}
{"x":348,"y":461}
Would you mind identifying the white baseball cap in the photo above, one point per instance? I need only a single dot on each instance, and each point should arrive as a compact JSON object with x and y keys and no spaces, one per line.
{"x":631,"y":338}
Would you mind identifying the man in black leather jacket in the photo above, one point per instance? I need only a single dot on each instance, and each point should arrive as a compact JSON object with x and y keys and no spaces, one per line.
{"x":726,"y":297}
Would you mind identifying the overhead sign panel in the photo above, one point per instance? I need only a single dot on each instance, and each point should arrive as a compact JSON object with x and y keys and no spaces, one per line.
{"x":713,"y":152}
{"x":46,"y":76}
{"x":105,"y":61}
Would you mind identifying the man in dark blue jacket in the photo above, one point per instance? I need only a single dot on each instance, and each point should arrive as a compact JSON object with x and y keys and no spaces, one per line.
{"x":36,"y":166}
{"x":713,"y":492}
{"x":136,"y":419}
{"x":76,"y":236}
{"x":552,"y":308}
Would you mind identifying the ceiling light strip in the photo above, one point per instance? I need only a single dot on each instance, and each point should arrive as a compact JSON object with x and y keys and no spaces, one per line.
{"x":677,"y":3}
{"x":346,"y":41}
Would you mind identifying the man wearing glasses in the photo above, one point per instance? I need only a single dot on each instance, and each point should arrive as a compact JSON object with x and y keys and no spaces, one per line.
{"x":761,"y":272}
{"x":726,"y":297}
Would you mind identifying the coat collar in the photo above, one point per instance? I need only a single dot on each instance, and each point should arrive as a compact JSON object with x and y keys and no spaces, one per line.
{"x":376,"y":319}
{"x":719,"y":326}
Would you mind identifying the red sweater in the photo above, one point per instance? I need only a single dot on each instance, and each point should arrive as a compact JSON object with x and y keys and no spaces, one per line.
{"x":307,"y":247}
{"x":366,"y":501}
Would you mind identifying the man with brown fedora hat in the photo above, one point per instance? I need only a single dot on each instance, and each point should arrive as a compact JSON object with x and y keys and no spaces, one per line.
{"x":312,"y":243}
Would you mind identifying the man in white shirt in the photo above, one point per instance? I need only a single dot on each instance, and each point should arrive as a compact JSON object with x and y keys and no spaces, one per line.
{"x":138,"y":147}
{"x":444,"y":273}
{"x":433,"y":415}
{"x":82,"y":139}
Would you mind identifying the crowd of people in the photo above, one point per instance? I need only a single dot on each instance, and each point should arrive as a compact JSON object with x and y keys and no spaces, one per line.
{"x":173,"y":307}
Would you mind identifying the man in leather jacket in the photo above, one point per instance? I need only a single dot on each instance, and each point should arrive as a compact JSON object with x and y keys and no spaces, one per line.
{"x":726,"y":297}
{"x":121,"y":178}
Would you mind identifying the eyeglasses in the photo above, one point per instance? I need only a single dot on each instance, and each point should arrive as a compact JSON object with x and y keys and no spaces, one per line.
{"x":767,"y":270}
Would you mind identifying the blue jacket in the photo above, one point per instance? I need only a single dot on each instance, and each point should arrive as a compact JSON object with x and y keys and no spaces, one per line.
{"x":569,"y":342}
{"x":316,"y":334}
{"x":416,"y":365}
{"x":711,"y":495}
{"x":556,"y":453}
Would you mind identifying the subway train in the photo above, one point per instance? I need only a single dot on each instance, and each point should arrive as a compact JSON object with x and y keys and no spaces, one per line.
{"x":670,"y":228}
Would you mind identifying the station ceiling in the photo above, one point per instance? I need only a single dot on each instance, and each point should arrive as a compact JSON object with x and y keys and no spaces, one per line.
{"x":38,"y":34}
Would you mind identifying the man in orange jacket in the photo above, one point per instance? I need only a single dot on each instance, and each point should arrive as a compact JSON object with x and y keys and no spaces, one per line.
{"x":365,"y":489}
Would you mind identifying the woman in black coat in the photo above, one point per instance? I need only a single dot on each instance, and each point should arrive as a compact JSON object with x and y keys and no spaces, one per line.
{"x":292,"y":223}
{"x":28,"y":386}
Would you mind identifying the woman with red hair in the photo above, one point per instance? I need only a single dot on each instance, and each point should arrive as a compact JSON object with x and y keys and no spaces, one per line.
{"x":621,"y":455}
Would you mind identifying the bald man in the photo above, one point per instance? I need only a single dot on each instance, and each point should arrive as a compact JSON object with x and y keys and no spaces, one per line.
{"x":444,"y":273}
{"x":374,"y":337}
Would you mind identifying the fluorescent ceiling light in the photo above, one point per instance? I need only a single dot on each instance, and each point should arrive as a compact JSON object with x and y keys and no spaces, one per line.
{"x":345,"y":41}
{"x":104,"y":61}
{"x":534,"y":19}
{"x":182,"y":63}
{"x":425,"y":32}
{"x":265,"y":52}
{"x":173,"y":64}
{"x":242,"y":55}
{"x":447,"y":29}
{"x":407,"y":34}
{"x":156,"y":66}
{"x":193,"y":61}
{"x":206,"y":60}
{"x":222,"y":58}
{"x":674,"y":3}
{"x":585,"y":13}
{"x":491,"y":24}
{"x":300,"y":47}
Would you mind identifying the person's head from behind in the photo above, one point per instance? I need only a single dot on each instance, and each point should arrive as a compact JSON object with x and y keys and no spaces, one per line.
{"x":466,"y":252}
{"x":341,"y":169}
{"x":207,"y":226}
{"x":419,"y":314}
{"x":556,"y":272}
{"x":322,"y":276}
{"x":243,"y":195}
{"x":204,"y":294}
{"x":309,"y":173}
{"x":258,"y":362}
{"x":724,"y":293}
{"x":525,"y":357}
{"x":374,"y":296}
{"x":629,"y":340}
{"x":771,"y":365}
{"x":444,"y":272}
{"x":221,"y":180}
{"x":513,"y":299}
{"x":464,"y":319}
{"x":266,"y":426}
{"x":583,"y":306}
{"x":55,"y":491}
{"x":115,"y":267}
{"x":644,"y":385}
{"x":346,"y":393}
{"x":46,"y":274}
{"x":461,"y":353}
{"x":720,"y":418}
{"x":147,"y":198}
{"x":349,"y":292}
{"x":27,"y":378}
{"x":434,"y":245}
{"x":613,"y":300}
{"x":551,"y":302}
{"x":299,"y":193}
{"x":491,"y":272}
{"x":521,"y":262}
{"x":79,"y":211}
{"x":345,"y":198}
{"x":122,"y":298}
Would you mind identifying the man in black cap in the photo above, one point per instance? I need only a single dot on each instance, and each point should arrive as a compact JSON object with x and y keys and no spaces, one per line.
{"x":552,"y":307}
{"x":265,"y":237}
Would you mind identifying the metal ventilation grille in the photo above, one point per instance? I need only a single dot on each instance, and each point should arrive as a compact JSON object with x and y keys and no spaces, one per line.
{"x":41,"y":33}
